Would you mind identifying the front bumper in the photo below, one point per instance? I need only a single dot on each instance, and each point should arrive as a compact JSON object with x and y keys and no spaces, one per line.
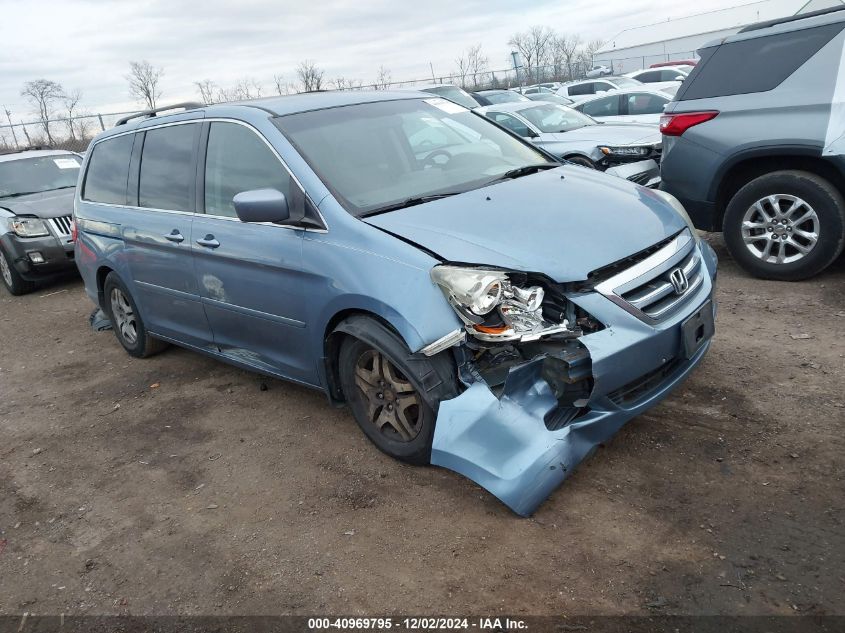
{"x":57,"y":257}
{"x":504,"y":444}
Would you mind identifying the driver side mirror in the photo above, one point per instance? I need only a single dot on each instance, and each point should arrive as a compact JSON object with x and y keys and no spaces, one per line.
{"x":261,"y":205}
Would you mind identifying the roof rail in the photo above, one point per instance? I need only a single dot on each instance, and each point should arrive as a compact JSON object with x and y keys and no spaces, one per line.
{"x":789,"y":18}
{"x":188,"y":105}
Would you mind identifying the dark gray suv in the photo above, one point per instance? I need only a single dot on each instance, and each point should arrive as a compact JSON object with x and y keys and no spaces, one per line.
{"x":753,"y":144}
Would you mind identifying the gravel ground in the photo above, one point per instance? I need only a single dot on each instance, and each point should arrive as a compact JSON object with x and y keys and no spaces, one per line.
{"x":178,"y":484}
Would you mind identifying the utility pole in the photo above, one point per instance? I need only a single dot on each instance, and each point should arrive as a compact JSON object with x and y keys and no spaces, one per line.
{"x":11,"y":127}
{"x":430,"y":65}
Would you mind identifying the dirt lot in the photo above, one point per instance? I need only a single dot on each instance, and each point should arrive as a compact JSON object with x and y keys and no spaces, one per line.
{"x":178,"y":485}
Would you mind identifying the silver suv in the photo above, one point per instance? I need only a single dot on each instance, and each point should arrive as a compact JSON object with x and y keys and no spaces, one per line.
{"x":754,"y":144}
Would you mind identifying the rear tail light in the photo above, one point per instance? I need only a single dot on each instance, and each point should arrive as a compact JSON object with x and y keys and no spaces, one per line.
{"x":74,"y":233}
{"x":677,"y":124}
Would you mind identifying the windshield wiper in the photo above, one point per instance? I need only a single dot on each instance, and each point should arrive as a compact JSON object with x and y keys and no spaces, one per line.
{"x":525,"y":170}
{"x":29,"y":193}
{"x":410,"y":202}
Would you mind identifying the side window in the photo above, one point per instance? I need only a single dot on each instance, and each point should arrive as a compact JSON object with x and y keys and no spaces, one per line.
{"x":608,"y":106}
{"x":645,"y":103}
{"x":755,"y":65}
{"x":581,"y":89}
{"x":649,"y":77}
{"x":108,"y":170}
{"x":168,"y":172}
{"x":670,"y":75}
{"x":512,"y":123}
{"x":602,"y":86}
{"x":238,"y":160}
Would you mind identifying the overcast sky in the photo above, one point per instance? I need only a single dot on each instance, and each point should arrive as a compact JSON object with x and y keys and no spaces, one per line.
{"x":87,"y":44}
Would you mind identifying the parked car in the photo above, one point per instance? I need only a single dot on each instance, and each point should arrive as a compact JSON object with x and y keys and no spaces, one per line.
{"x":680,"y":62}
{"x":599,"y":71}
{"x":453,"y":93}
{"x":659,"y":78}
{"x":628,"y":105}
{"x":753,"y":145}
{"x":577,"y":90}
{"x":491,"y":97}
{"x":551,"y":98}
{"x":476,"y":304}
{"x":573,"y":136}
{"x":535,"y":90}
{"x":36,"y":203}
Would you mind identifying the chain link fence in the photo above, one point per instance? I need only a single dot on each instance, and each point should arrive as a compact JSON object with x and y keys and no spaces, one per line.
{"x":72,"y":134}
{"x":75,"y":133}
{"x":621,"y":65}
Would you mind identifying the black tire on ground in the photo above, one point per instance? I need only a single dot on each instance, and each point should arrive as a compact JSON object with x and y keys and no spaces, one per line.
{"x":581,"y":160}
{"x":12,"y":279}
{"x":143,"y":344}
{"x":824,"y":199}
{"x":397,"y":366}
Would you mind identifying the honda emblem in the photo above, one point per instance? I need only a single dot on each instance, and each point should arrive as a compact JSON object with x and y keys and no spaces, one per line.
{"x":679,"y":281}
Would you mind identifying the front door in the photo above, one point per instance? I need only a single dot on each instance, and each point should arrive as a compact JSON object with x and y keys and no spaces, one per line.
{"x":249,"y":275}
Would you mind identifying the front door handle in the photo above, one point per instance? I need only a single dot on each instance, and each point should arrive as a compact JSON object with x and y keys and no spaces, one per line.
{"x":175,"y":236}
{"x":208,"y":241}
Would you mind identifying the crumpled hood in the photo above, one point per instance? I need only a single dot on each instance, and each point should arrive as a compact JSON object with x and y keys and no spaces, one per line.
{"x":47,"y":204}
{"x":563,"y":222}
{"x":607,"y":134}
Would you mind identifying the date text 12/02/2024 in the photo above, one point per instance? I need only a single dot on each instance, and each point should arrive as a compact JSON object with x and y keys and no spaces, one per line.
{"x":414,"y":624}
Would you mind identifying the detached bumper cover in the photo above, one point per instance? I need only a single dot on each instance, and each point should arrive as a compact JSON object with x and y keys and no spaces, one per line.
{"x":504,"y":445}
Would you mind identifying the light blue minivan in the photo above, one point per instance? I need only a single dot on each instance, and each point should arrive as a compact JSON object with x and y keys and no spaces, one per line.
{"x":478,"y":305}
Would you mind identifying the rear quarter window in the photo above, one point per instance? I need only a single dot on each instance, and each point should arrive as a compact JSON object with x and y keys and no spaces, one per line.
{"x":755,"y":65}
{"x":108,"y":171}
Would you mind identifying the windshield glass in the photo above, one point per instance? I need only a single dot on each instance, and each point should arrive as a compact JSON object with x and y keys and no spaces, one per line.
{"x":455,"y":94}
{"x":505,"y":96}
{"x":33,"y":175}
{"x":549,"y":117}
{"x":375,"y":155}
{"x":626,"y":82}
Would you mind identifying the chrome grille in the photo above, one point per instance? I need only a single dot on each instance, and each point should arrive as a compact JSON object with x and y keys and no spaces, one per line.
{"x":61,"y":226}
{"x":646,"y":289}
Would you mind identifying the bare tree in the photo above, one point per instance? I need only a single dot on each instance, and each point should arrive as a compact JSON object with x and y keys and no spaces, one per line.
{"x":42,"y":94}
{"x":478,"y":63}
{"x":144,"y":81}
{"x":585,"y":58}
{"x":246,"y":88}
{"x":383,"y":78}
{"x":310,"y":76}
{"x":565,"y":53}
{"x":207,"y":89}
{"x":534,"y":47}
{"x":71,"y":101}
{"x":282,"y":87}
{"x":462,"y":64}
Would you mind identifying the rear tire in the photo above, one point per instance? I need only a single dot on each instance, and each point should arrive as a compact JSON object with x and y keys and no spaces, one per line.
{"x":788,"y":225}
{"x":12,"y":279}
{"x":126,"y":320}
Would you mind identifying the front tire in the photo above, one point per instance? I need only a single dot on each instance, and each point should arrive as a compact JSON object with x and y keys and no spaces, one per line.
{"x":126,"y":321}
{"x":12,"y":279}
{"x":787,"y":225}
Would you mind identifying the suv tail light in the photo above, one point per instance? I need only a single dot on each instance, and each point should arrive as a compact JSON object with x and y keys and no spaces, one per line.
{"x":677,"y":124}
{"x":74,"y":233}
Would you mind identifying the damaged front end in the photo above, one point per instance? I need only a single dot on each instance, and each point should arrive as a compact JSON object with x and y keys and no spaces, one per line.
{"x":553,"y":370}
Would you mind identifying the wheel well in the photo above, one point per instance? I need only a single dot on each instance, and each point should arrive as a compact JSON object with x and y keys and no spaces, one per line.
{"x":331,"y":348}
{"x":102,"y":273}
{"x":747,"y":170}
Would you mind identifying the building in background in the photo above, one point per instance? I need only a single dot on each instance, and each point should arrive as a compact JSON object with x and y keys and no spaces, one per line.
{"x":641,"y":46}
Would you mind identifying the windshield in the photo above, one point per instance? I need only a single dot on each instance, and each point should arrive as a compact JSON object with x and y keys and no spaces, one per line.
{"x":626,"y":82}
{"x":551,"y":98}
{"x":454,"y":94}
{"x":549,"y":117}
{"x":375,"y":155}
{"x":34,"y":175}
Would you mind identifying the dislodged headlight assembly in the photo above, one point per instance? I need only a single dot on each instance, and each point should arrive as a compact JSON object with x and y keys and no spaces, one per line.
{"x":29,"y":227}
{"x":492,"y":307}
{"x":625,"y":150}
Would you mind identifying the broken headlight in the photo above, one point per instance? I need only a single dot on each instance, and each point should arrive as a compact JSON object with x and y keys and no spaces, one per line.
{"x":29,"y":227}
{"x":493,"y":307}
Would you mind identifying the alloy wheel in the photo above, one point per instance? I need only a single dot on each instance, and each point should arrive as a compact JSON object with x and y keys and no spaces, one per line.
{"x":393,"y":405}
{"x":780,"y":229}
{"x":124,"y":316}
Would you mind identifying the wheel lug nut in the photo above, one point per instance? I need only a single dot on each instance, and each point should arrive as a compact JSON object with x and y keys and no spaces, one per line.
{"x":770,"y":229}
{"x":380,"y":395}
